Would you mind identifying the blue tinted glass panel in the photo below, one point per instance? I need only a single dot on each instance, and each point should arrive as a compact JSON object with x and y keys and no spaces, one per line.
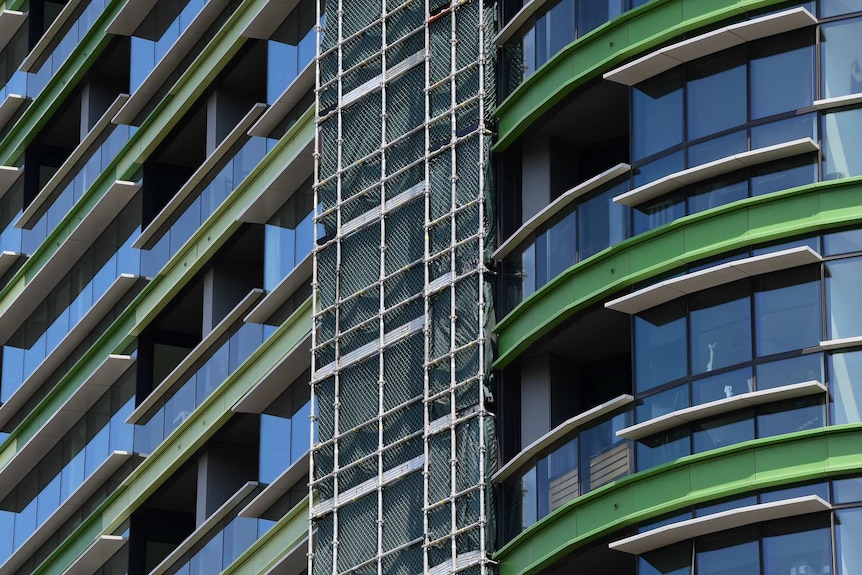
{"x":657,"y":114}
{"x":601,"y":222}
{"x":789,"y":371}
{"x":660,"y":348}
{"x":791,"y":416}
{"x":736,"y":552}
{"x":842,"y":139}
{"x":848,"y":534}
{"x":845,"y":387}
{"x":839,"y":53}
{"x":718,"y":193}
{"x":782,"y":74}
{"x":784,"y":175}
{"x":717,"y":148}
{"x":720,"y":328}
{"x":674,"y":560}
{"x":787,"y":310}
{"x":723,"y":432}
{"x":716,"y":94}
{"x":843,"y":304}
{"x":722,"y":386}
{"x":847,"y":241}
{"x":783,"y":131}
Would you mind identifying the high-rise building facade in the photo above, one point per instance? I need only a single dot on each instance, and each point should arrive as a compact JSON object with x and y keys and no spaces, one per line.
{"x":298,"y":287}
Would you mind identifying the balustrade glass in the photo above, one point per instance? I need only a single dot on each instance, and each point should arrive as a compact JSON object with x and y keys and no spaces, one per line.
{"x":290,"y":49}
{"x":288,"y":236}
{"x":221,"y":547}
{"x":284,"y":430}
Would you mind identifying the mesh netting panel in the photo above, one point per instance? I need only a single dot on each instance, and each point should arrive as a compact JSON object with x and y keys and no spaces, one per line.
{"x":358,"y":391}
{"x":402,"y":372}
{"x":324,"y":460}
{"x":440,"y":235}
{"x":360,"y":48}
{"x":466,"y":222}
{"x":404,"y":179}
{"x":361,"y":74}
{"x":441,"y":99}
{"x":359,"y":309}
{"x":466,"y":440}
{"x":440,"y":49}
{"x":326,"y":353}
{"x":402,"y":453}
{"x":403,"y":422}
{"x":404,"y":285}
{"x":361,"y":545}
{"x":361,"y":204}
{"x":405,"y":152}
{"x":359,"y":177}
{"x":359,"y":16}
{"x":405,"y":21}
{"x":440,"y":310}
{"x":467,"y":83}
{"x":402,"y":314}
{"x":325,"y":395}
{"x":399,"y":501}
{"x":467,"y":321}
{"x":359,"y":140}
{"x":352,"y":341}
{"x":405,"y":562}
{"x":467,"y":30}
{"x":404,"y":49}
{"x":360,"y":259}
{"x":408,"y":110}
{"x":356,"y":445}
{"x":356,"y":475}
{"x":328,"y":133}
{"x":323,"y":551}
{"x":439,"y":521}
{"x":404,"y":247}
{"x":439,"y":476}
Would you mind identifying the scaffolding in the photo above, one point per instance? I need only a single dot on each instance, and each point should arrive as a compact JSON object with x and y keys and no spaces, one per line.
{"x":403,"y":442}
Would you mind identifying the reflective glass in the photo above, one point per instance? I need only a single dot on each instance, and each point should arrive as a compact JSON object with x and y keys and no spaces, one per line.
{"x":663,"y":447}
{"x":730,"y":553}
{"x":843,"y":304}
{"x":723,"y":431}
{"x":722,"y":386}
{"x":673,"y":560}
{"x":843,"y":242}
{"x":561,"y":26}
{"x":557,"y":476}
{"x":601,"y":222}
{"x":848,"y":534}
{"x":717,"y":148}
{"x":726,"y":505}
{"x":656,"y":169}
{"x":657,"y":122}
{"x":604,"y":456}
{"x":783,"y":131}
{"x":845,"y":387}
{"x":561,"y":245}
{"x":274,"y":446}
{"x":716,"y":93}
{"x":594,"y":13}
{"x":789,"y":371}
{"x":798,"y":545}
{"x":660,"y":346}
{"x":783,"y":175}
{"x":782,"y":74}
{"x":820,"y":489}
{"x":529,"y":513}
{"x":651,"y":215}
{"x":717,"y":192}
{"x":839,"y":49}
{"x":720,"y":321}
{"x":791,"y":416}
{"x":662,"y":403}
{"x":842,"y":143}
{"x":787,"y":310}
{"x":847,"y":491}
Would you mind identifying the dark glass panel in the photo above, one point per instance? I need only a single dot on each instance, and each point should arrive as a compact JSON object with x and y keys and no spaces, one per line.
{"x":782,"y":74}
{"x":787,"y":310}
{"x":657,"y":114}
{"x":723,"y":431}
{"x":660,"y":353}
{"x":720,"y":321}
{"x":716,"y":93}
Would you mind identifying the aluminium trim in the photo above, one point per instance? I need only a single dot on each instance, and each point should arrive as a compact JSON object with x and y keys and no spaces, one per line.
{"x":716,"y":522}
{"x":165,"y":218}
{"x":842,"y":343}
{"x":231,"y":319}
{"x":10,"y":22}
{"x":61,"y":421}
{"x":29,"y":217}
{"x":555,"y":207}
{"x":720,"y":406}
{"x":674,"y":55}
{"x":719,"y":167}
{"x":280,"y":377}
{"x":65,"y":511}
{"x":559,"y":432}
{"x":285,"y":102}
{"x":85,"y":231}
{"x":279,"y":294}
{"x":56,"y":356}
{"x":671,"y":289}
{"x":96,"y":555}
{"x":47,"y":39}
{"x":204,"y":528}
{"x":279,"y":486}
{"x":170,"y":61}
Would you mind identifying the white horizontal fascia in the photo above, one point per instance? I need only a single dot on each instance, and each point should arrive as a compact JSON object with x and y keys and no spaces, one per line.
{"x":8,"y":176}
{"x":64,"y":512}
{"x":169,"y":62}
{"x":719,"y":167}
{"x":183,"y":368}
{"x":96,"y":555}
{"x":165,"y":218}
{"x":556,"y":207}
{"x":81,"y":400}
{"x":842,"y":343}
{"x":291,"y":96}
{"x":721,"y":406}
{"x":518,"y":20}
{"x":295,"y":560}
{"x":838,"y":102}
{"x":205,"y":528}
{"x":672,"y":56}
{"x":30,"y":215}
{"x":7,"y":260}
{"x":281,"y":187}
{"x":130,"y":17}
{"x":85,"y":229}
{"x":559,"y":432}
{"x":47,"y":39}
{"x":55,"y":357}
{"x":716,"y":522}
{"x":665,"y":291}
{"x":8,"y":108}
{"x":279,"y":294}
{"x":10,"y":22}
{"x":277,"y":379}
{"x":296,"y":472}
{"x":268,"y":18}
{"x":366,"y":487}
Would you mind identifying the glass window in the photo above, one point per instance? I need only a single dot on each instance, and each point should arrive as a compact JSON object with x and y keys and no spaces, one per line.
{"x":657,"y":114}
{"x":845,"y":382}
{"x":723,"y":431}
{"x":673,"y":560}
{"x":717,"y":148}
{"x":657,"y":213}
{"x":792,"y":416}
{"x":848,"y":534}
{"x":788,"y":371}
{"x":731,"y":553}
{"x":847,"y":491}
{"x":843,"y":304}
{"x":594,"y":13}
{"x":662,"y":403}
{"x":784,"y":175}
{"x":847,"y":241}
{"x":559,"y":475}
{"x":782,"y":74}
{"x":820,"y":489}
{"x":842,"y":142}
{"x":797,"y":545}
{"x":718,"y":192}
{"x":561,"y":245}
{"x":720,"y":328}
{"x":604,"y":456}
{"x":561,"y":26}
{"x":601,"y":222}
{"x":782,"y":131}
{"x":722,"y":386}
{"x":716,"y":93}
{"x":787,"y":310}
{"x":656,"y":169}
{"x":725,"y":505}
{"x":839,"y":49}
{"x":663,"y":447}
{"x":660,"y":352}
